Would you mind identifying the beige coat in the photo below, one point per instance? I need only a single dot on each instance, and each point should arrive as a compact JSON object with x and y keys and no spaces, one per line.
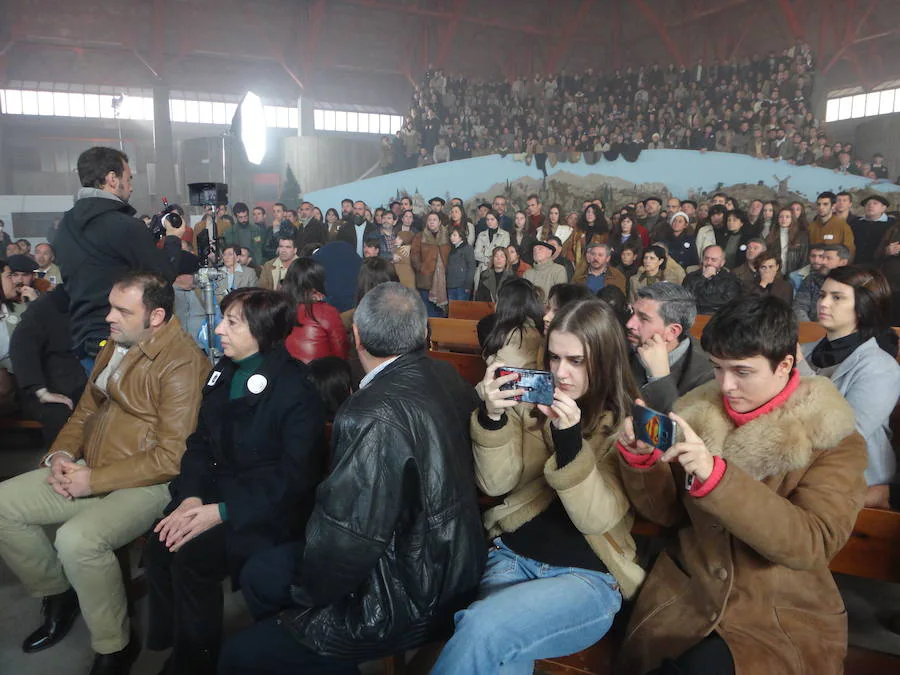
{"x":522,"y":349}
{"x":518,"y":462}
{"x":273,"y":274}
{"x":750,"y":560}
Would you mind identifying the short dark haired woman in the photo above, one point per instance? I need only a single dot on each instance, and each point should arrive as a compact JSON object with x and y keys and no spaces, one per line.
{"x":247,"y":478}
{"x":859,"y":355}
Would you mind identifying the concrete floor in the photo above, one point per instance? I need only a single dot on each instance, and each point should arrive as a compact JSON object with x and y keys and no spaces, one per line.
{"x":868,"y":604}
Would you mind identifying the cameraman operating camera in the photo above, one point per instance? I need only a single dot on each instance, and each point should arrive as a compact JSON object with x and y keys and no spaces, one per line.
{"x":99,"y":241}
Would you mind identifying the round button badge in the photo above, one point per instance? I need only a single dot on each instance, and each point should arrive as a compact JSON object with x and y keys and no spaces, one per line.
{"x":257,"y":383}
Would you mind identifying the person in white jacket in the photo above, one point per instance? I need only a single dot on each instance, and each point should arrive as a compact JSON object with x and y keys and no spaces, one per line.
{"x":487,"y":240}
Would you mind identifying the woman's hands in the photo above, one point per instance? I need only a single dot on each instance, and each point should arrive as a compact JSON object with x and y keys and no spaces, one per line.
{"x":496,"y":401}
{"x":189,"y":520}
{"x":564,"y":413}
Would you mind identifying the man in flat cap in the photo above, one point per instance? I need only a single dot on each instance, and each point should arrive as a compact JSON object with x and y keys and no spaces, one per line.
{"x":437,"y":206}
{"x":654,"y":222}
{"x":21,"y":270}
{"x":869,"y":230}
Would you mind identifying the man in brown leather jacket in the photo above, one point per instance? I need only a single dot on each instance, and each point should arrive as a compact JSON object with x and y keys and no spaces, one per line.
{"x":105,"y":479}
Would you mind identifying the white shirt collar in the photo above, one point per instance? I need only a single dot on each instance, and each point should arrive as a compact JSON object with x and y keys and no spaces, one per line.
{"x":372,"y":374}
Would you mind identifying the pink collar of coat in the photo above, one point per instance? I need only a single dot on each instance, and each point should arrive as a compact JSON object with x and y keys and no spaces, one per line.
{"x":741,"y":419}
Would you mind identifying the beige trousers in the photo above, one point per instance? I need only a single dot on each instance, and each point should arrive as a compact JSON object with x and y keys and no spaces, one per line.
{"x":83,"y":556}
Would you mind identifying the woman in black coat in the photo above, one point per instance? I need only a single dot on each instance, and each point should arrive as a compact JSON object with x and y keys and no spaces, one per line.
{"x":247,"y":480}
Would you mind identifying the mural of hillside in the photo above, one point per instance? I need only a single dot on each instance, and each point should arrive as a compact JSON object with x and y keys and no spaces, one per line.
{"x":684,"y":173}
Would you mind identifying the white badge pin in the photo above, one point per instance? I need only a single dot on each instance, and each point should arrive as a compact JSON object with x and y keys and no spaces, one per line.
{"x":257,"y":383}
{"x":214,"y":378}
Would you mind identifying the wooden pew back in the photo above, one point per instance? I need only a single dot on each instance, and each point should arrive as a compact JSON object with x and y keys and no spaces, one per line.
{"x":468,"y":309}
{"x":470,"y":366}
{"x":454,"y":335}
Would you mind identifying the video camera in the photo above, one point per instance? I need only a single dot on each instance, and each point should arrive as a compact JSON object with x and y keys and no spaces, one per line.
{"x":168,"y":216}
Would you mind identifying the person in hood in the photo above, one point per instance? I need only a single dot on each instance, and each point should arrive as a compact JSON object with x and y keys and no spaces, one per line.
{"x":99,"y":240}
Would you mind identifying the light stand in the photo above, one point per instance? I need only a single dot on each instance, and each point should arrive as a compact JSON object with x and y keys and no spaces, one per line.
{"x":210,"y":195}
{"x":248,"y":124}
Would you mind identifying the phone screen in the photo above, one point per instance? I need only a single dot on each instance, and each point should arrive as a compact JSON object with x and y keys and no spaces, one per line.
{"x":538,"y":384}
{"x":653,"y":428}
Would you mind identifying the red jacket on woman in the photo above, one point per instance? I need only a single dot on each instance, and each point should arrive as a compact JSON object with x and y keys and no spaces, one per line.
{"x":317,"y":336}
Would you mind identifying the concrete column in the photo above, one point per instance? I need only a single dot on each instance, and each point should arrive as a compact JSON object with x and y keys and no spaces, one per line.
{"x":307,"y":122}
{"x":163,"y":145}
{"x":5,"y":188}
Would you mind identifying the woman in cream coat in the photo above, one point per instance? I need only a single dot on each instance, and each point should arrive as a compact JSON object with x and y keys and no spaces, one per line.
{"x":563,"y":557}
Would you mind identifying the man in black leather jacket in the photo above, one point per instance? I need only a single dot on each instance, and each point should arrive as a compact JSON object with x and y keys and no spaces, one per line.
{"x":395,"y":544}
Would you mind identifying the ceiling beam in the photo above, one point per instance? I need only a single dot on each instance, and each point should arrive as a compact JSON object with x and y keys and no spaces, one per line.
{"x":459,"y":7}
{"x":851,"y":38}
{"x":663,"y":33}
{"x":414,"y":10}
{"x":792,"y":21}
{"x":564,"y":44}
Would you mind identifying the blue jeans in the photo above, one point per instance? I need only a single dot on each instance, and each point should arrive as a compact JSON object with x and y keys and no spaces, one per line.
{"x":458,"y":294}
{"x":528,"y":610}
{"x":433,"y":310}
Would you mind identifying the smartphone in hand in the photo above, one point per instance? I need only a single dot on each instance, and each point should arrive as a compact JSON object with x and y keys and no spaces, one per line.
{"x":653,"y":428}
{"x":538,"y":384}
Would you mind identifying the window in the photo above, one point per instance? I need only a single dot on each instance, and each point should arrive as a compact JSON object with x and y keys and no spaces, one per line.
{"x":61,"y":104}
{"x":13,"y":103}
{"x":133,"y":107}
{"x":846,"y":108}
{"x":356,"y":122}
{"x":855,"y":106}
{"x":886,"y":104}
{"x":76,"y":105}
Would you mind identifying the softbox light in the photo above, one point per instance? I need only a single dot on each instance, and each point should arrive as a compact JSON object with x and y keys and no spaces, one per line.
{"x":251,"y":122}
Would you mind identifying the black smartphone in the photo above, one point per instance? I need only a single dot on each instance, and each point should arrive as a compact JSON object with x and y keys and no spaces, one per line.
{"x":538,"y":384}
{"x":653,"y":428}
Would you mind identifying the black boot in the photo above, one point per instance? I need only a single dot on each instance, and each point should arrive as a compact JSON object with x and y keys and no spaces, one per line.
{"x":60,"y":612}
{"x":117,"y":663}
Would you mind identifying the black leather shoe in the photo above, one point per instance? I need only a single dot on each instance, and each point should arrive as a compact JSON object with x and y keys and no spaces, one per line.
{"x":60,"y":612}
{"x":117,"y":663}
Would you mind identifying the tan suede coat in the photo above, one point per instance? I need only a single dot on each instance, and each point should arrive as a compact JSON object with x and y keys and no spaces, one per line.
{"x":519,"y":462}
{"x":751,"y":558}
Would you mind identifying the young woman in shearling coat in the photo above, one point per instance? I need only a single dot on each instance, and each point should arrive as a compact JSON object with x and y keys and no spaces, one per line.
{"x":563,"y":557}
{"x":777,"y":485}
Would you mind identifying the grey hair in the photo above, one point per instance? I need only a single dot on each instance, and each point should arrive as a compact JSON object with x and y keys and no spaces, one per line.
{"x":391,"y":320}
{"x":676,"y":304}
{"x":842,"y":251}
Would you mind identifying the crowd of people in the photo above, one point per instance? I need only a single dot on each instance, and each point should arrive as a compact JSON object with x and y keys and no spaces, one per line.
{"x":759,"y":105}
{"x":330,"y":469}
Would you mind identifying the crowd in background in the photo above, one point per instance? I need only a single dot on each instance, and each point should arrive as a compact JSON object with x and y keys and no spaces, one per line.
{"x":757,"y":105}
{"x":322,"y":317}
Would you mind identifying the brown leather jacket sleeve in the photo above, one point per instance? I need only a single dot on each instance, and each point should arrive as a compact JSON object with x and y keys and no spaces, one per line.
{"x":180,"y":394}
{"x":71,"y":437}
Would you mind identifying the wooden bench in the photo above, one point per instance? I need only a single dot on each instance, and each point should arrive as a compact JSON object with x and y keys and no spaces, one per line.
{"x":809,"y":331}
{"x":471,"y":310}
{"x":13,"y":423}
{"x":470,"y":366}
{"x":454,"y":335}
{"x":872,"y":552}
